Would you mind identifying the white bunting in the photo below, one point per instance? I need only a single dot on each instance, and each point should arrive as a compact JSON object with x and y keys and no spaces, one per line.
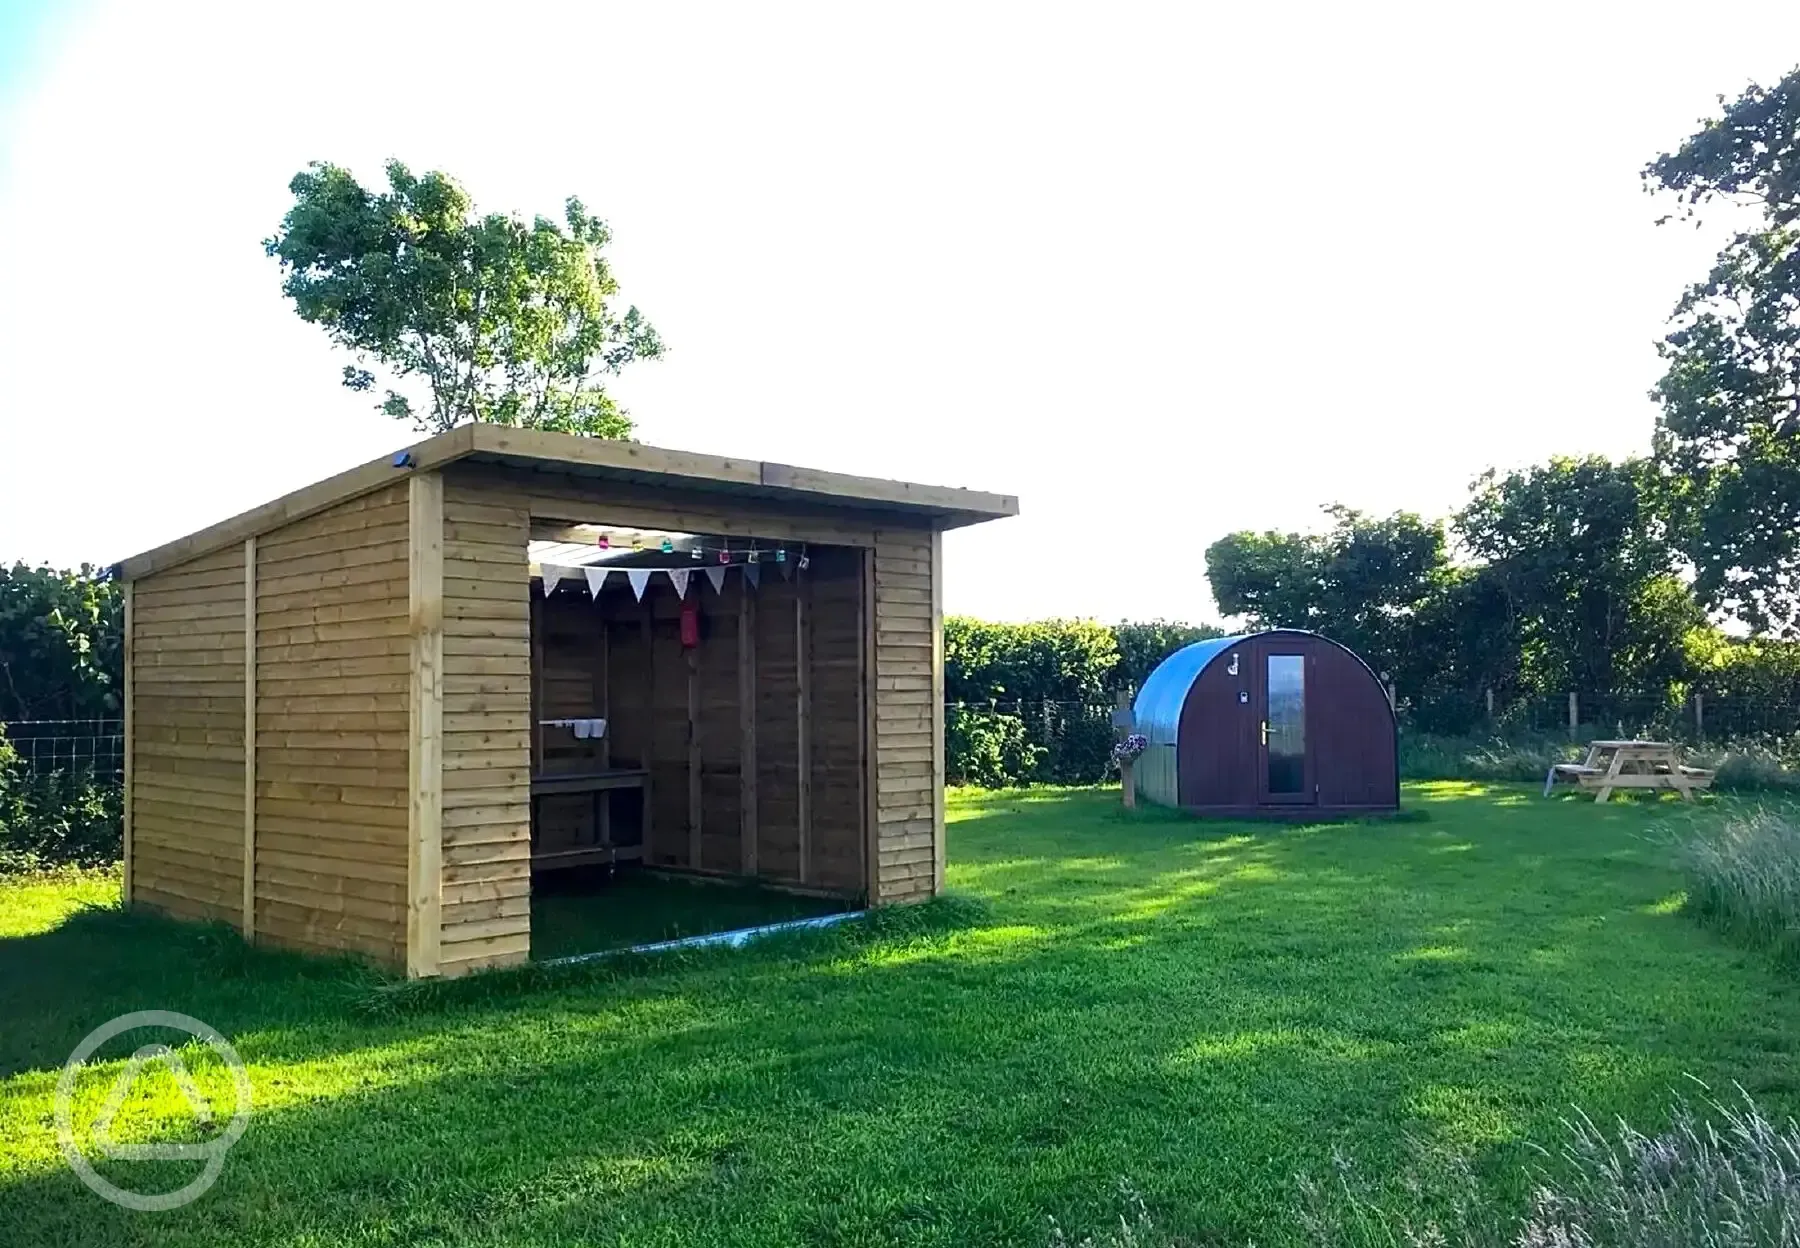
{"x":553,"y":574}
{"x":753,"y":574}
{"x":596,"y":579}
{"x":639,"y":578}
{"x":717,"y":576}
{"x":678,"y":577}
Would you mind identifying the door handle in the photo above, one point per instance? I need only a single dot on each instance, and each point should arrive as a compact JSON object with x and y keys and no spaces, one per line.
{"x":1265,"y":732}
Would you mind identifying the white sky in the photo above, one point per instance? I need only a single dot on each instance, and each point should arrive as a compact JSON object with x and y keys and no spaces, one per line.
{"x":1162,"y":271}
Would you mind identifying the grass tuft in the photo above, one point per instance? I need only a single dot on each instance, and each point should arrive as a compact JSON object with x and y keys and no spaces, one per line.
{"x":1724,"y":1176}
{"x":1744,"y":878}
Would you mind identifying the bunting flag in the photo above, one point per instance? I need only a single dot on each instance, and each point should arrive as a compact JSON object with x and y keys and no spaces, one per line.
{"x":680,"y":577}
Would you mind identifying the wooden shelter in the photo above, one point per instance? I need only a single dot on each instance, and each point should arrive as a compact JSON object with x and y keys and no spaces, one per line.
{"x":354,"y":721}
{"x":1283,"y":723}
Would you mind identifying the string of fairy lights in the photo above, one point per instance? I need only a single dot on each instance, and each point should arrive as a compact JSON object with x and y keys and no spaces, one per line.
{"x":700,"y":552}
{"x":711,"y":561}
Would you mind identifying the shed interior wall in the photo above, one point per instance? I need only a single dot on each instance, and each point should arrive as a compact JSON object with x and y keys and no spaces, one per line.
{"x":732,"y":803}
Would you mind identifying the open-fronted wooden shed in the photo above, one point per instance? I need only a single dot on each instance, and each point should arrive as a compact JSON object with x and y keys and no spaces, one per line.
{"x":356,"y":721}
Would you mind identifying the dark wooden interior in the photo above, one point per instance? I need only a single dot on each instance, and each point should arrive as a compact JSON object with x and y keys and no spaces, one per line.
{"x":752,"y":740}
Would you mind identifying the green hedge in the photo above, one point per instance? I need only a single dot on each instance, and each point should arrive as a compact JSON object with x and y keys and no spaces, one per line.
{"x":57,"y":818}
{"x":1032,"y":703}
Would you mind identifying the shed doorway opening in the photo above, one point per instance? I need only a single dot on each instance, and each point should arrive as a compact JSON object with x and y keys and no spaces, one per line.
{"x":698,"y":735}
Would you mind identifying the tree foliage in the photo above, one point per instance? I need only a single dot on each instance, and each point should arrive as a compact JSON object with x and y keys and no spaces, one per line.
{"x":1575,"y":551}
{"x":503,"y":321}
{"x":1728,"y":431}
{"x":1567,"y":584}
{"x":1363,"y":582}
{"x":60,"y":653}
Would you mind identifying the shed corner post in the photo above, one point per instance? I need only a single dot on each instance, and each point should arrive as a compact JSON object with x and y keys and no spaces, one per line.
{"x":249,"y":896}
{"x":937,"y":711}
{"x":868,"y":729}
{"x":425,"y":723}
{"x":747,"y":797}
{"x":128,"y":743}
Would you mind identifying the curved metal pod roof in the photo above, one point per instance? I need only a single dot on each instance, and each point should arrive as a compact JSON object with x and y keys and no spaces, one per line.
{"x":1156,"y":714}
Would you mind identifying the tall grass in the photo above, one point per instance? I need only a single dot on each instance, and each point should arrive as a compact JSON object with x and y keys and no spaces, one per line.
{"x":1729,"y":1179}
{"x":1743,"y":876}
{"x":1424,"y":756}
{"x":1726,"y":1176}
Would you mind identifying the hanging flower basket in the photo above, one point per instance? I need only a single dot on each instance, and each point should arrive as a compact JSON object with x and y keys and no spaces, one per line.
{"x":1127,"y":751}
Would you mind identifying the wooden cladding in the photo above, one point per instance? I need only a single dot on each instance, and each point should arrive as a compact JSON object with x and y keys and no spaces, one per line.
{"x":330,"y":724}
{"x":485,"y":902}
{"x":186,"y":831}
{"x":332,"y":679}
{"x":908,"y":696}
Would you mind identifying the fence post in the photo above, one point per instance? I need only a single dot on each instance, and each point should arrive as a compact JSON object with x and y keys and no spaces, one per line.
{"x":1574,"y":715}
{"x":1122,"y":728}
{"x":1393,"y":703}
{"x":1490,"y":701}
{"x":1699,"y":717}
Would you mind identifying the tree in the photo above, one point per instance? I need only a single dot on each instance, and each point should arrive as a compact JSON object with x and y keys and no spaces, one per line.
{"x":1576,"y":552}
{"x":1728,"y":433}
{"x":504,"y":322}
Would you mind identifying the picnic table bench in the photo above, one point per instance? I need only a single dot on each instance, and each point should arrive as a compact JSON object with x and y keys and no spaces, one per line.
{"x":1630,"y":765}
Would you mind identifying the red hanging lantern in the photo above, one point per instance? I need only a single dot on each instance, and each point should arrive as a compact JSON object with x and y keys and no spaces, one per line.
{"x":690,"y":622}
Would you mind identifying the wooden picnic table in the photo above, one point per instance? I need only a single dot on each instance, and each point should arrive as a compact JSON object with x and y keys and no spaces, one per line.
{"x":1630,"y":765}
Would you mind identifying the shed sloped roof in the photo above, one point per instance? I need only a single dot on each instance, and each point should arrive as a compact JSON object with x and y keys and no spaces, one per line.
{"x":939,"y":506}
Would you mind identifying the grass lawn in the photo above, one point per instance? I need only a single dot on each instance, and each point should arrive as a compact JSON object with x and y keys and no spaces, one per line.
{"x":1204,"y":1008}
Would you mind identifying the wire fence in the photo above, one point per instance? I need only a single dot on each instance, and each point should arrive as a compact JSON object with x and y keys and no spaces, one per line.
{"x":1694,"y":719}
{"x":69,"y":745}
{"x":1070,"y":742}
{"x":1072,"y":739}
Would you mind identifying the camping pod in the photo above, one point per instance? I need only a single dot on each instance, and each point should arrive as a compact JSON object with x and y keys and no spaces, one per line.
{"x":1282,"y":723}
